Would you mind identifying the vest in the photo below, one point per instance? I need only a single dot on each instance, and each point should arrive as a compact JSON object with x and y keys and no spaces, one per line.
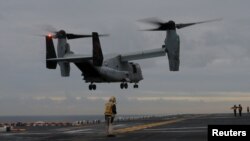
{"x":108,"y":109}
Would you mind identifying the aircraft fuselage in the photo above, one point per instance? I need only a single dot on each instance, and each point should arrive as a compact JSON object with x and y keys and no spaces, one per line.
{"x":114,"y":70}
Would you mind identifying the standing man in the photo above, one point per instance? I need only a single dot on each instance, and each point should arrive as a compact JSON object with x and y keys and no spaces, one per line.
{"x":240,"y":109}
{"x":234,"y":108}
{"x":247,"y":109}
{"x":110,"y":112}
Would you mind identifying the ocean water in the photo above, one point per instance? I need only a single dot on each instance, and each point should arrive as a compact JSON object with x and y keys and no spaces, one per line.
{"x":61,"y":118}
{"x":64,"y":118}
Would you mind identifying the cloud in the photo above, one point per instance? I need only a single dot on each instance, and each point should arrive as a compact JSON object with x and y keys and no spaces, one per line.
{"x":94,"y":98}
{"x":129,"y":104}
{"x":193,"y":98}
{"x":78,"y":98}
{"x":52,"y":98}
{"x":39,"y":98}
{"x":58,"y":98}
{"x":214,"y":67}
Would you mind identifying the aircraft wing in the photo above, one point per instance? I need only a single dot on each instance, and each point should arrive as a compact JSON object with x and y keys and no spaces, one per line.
{"x":72,"y":58}
{"x":144,"y":54}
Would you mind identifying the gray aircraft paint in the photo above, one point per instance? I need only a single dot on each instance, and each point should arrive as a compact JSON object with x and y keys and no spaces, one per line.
{"x":117,"y":68}
{"x":62,"y":48}
{"x":172,"y":45}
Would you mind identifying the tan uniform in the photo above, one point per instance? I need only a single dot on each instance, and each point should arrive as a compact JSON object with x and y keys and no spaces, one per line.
{"x":110,"y":112}
{"x":108,"y":109}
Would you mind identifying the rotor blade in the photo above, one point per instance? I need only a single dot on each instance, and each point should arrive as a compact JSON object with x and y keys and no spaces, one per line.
{"x":153,"y":20}
{"x":39,"y":35}
{"x":155,"y":29}
{"x":182,"y":25}
{"x":49,"y":28}
{"x":103,"y":35}
{"x":76,"y":36}
{"x":45,"y":35}
{"x":161,"y":25}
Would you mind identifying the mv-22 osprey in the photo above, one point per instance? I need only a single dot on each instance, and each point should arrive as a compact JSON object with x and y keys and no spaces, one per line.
{"x":97,"y":68}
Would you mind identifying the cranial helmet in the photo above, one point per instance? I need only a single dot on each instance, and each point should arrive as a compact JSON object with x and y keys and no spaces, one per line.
{"x":112,"y":99}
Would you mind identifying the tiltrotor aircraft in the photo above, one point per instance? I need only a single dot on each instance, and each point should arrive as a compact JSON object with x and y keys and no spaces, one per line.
{"x":97,"y":68}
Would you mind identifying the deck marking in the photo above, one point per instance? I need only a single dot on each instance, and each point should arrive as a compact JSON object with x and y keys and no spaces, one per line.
{"x":150,"y":125}
{"x":77,"y":131}
{"x":189,"y":131}
{"x":179,"y":128}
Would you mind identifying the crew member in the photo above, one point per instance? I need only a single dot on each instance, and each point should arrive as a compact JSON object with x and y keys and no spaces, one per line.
{"x":110,"y":112}
{"x":234,"y":108}
{"x":240,"y":109}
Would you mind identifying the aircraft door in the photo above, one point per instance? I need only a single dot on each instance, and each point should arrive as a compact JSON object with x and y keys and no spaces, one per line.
{"x":135,"y":72}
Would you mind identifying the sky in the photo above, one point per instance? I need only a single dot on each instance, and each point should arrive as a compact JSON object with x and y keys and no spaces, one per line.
{"x":214,"y":69}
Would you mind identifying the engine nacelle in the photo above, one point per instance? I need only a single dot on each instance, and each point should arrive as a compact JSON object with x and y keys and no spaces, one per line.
{"x":63,"y":48}
{"x":64,"y":68}
{"x":172,"y":48}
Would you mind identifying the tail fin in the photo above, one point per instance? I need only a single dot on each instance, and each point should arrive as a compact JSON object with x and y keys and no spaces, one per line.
{"x":50,"y":53}
{"x":97,"y":50}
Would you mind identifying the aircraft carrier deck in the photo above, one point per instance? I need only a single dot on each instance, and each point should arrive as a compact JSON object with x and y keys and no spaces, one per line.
{"x":191,"y":127}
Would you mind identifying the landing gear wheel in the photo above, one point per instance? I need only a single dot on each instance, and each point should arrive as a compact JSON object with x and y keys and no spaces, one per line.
{"x":121,"y":85}
{"x":125,"y":85}
{"x":136,"y":86}
{"x":94,"y":87}
{"x":90,"y":86}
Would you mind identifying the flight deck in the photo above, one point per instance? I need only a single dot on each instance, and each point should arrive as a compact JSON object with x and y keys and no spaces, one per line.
{"x":188,"y":127}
